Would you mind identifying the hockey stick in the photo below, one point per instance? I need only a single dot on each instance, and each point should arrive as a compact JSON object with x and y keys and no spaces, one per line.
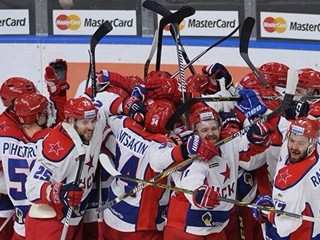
{"x":164,"y":12}
{"x":141,"y":186}
{"x":107,"y":165}
{"x":266,"y":209}
{"x":82,"y":154}
{"x":7,"y":220}
{"x":103,"y":30}
{"x":207,"y":50}
{"x":113,"y":172}
{"x":152,"y":51}
{"x":186,"y":106}
{"x":245,"y":34}
{"x":177,"y":16}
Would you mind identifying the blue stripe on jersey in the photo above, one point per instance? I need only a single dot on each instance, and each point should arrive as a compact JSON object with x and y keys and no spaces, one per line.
{"x":206,"y":218}
{"x":129,"y":213}
{"x":271,"y":232}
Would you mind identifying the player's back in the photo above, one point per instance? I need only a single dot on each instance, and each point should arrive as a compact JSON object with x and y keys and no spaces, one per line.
{"x":136,"y":155}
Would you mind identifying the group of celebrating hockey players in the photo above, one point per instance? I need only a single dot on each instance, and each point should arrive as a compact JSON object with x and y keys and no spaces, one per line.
{"x":53,"y":186}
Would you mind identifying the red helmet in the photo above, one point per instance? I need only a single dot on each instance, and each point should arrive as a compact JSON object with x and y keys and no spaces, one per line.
{"x":117,"y":90}
{"x":13,"y":87}
{"x":158,"y":112}
{"x":250,"y":81}
{"x":305,"y":127}
{"x":80,"y":108}
{"x":197,"y":83}
{"x":203,"y":114}
{"x":309,"y":79}
{"x":277,"y":72}
{"x":28,"y":106}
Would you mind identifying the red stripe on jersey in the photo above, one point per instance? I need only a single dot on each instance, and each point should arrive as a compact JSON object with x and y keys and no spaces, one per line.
{"x":149,"y":203}
{"x":306,"y":228}
{"x":115,"y":106}
{"x":178,"y":208}
{"x":43,"y":194}
{"x":252,"y":151}
{"x":263,"y":183}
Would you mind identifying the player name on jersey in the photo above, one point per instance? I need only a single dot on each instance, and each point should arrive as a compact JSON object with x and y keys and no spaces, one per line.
{"x":132,"y":143}
{"x":22,"y":151}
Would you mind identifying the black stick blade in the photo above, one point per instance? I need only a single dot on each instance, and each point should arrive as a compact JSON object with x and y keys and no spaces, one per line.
{"x":104,"y":29}
{"x":156,"y":7}
{"x":245,"y":34}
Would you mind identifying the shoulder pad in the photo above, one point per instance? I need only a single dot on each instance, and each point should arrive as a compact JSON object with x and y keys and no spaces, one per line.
{"x":290,"y":175}
{"x":57,"y":145}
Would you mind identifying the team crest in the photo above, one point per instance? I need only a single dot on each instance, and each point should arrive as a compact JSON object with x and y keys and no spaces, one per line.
{"x":207,"y":218}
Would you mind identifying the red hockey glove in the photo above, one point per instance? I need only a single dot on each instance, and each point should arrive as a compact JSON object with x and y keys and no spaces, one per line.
{"x":218,"y":71}
{"x":60,"y":67}
{"x":69,"y":195}
{"x":230,"y":119}
{"x":260,"y":134}
{"x":203,"y":148}
{"x":134,"y":108}
{"x":162,"y":88}
{"x":205,"y":196}
{"x":56,"y":77}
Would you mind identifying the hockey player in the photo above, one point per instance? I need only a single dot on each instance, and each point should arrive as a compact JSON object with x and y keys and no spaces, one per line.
{"x":143,"y":154}
{"x":19,"y":150}
{"x":51,"y":184}
{"x":202,"y":216}
{"x":296,"y":185}
{"x":10,"y":89}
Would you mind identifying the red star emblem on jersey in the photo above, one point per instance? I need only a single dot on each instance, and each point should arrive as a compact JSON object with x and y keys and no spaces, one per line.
{"x":55,"y":147}
{"x":226,"y":173}
{"x":284,"y":176}
{"x":3,"y":126}
{"x":90,"y":163}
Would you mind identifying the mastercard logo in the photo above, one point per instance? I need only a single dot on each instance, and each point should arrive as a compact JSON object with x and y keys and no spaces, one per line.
{"x":64,"y":22}
{"x":181,"y":26}
{"x":278,"y":24}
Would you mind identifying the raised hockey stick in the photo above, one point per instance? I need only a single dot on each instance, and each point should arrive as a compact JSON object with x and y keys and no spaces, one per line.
{"x":103,"y":30}
{"x":78,"y":143}
{"x":177,"y":16}
{"x":152,"y":51}
{"x":164,"y":12}
{"x":207,"y":50}
{"x":245,"y":34}
{"x":107,"y":165}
